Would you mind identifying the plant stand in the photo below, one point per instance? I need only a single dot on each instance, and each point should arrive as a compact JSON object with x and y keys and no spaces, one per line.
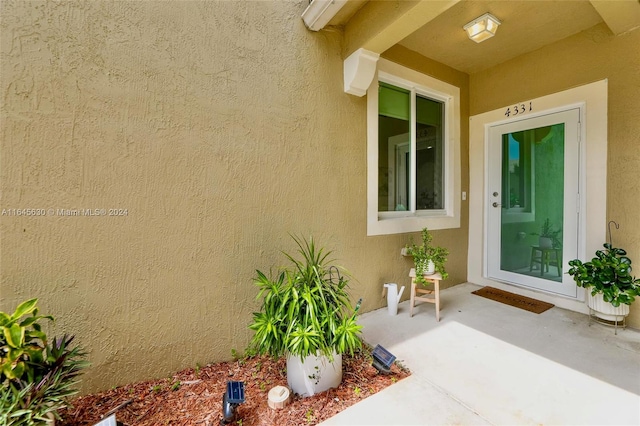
{"x":430,"y":296}
{"x":609,"y":323}
{"x":542,"y":256}
{"x":605,"y":313}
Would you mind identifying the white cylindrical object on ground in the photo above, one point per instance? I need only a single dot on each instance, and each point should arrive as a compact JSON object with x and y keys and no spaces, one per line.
{"x":278,"y":397}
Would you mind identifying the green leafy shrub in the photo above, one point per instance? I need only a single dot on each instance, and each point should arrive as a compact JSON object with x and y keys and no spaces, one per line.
{"x":305,"y":308}
{"x":37,"y":376}
{"x":609,"y":273}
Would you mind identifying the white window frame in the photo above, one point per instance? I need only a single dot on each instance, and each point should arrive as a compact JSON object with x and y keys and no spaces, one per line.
{"x":383,"y":223}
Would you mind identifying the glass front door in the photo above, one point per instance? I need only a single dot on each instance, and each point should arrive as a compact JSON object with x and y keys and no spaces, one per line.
{"x":532,"y":209}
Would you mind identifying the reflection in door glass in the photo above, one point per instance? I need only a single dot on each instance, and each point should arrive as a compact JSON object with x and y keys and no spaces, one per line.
{"x":516,"y":191}
{"x":533,"y":202}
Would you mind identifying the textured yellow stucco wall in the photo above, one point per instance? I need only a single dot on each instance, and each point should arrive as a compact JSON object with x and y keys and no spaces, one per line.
{"x":220,"y":127}
{"x":589,"y":56}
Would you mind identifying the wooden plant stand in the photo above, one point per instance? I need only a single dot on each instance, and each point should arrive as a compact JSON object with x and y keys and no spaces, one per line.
{"x":420,"y":294}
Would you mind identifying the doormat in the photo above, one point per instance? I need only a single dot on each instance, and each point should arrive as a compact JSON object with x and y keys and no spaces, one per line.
{"x":522,"y":302}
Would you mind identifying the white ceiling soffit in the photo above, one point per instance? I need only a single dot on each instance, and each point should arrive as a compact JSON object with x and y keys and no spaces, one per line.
{"x":320,"y":12}
{"x":620,"y":16}
{"x":526,"y":26}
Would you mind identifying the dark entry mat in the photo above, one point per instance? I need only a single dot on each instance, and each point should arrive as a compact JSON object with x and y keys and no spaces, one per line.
{"x":522,"y":302}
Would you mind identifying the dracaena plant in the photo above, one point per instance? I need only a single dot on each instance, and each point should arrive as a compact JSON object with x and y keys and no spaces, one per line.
{"x":609,"y":273}
{"x":38,"y":376}
{"x":305,"y":307}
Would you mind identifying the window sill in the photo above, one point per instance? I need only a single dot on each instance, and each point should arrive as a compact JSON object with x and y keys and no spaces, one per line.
{"x":401,"y":225}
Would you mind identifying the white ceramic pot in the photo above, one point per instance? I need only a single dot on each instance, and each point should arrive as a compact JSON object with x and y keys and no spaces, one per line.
{"x":429,"y":268}
{"x":606,"y":310}
{"x":313,"y":375}
{"x":545,"y":242}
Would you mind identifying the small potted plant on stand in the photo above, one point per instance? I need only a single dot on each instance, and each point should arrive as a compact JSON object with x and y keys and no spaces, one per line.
{"x":428,"y":259}
{"x":548,"y":237}
{"x":307,"y":315}
{"x":607,"y":277}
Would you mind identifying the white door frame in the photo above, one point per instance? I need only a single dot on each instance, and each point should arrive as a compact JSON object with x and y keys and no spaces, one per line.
{"x":593,"y":172}
{"x":494,"y":216}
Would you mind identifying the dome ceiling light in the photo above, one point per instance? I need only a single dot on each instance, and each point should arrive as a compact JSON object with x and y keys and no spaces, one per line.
{"x":482,"y":28}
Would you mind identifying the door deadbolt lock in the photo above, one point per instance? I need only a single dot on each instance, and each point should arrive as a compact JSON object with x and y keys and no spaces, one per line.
{"x":495,"y":194}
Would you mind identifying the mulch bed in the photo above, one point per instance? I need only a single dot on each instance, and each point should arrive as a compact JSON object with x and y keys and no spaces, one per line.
{"x":194,"y":396}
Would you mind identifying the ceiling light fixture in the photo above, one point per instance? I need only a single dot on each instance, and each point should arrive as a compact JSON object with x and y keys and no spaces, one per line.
{"x":482,"y":28}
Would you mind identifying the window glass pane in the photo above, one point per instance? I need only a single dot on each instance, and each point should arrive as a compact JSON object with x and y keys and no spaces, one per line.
{"x":548,"y":153}
{"x":519,"y":158}
{"x":533,"y":181}
{"x":394,"y":148}
{"x":430,"y":154}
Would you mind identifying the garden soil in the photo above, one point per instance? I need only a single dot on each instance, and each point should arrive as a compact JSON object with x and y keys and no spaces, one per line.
{"x":194,"y":396}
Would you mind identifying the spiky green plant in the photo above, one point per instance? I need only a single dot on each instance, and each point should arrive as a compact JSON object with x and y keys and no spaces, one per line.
{"x":305,"y":308}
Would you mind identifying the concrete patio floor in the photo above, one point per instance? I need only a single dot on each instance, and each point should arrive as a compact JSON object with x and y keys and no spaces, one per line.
{"x":489,"y":363}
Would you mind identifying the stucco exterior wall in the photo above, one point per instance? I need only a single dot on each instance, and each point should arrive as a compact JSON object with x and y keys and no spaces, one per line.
{"x":220,"y":127}
{"x":589,"y":56}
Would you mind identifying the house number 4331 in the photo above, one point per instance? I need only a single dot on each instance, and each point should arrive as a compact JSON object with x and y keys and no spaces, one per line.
{"x":518,"y":109}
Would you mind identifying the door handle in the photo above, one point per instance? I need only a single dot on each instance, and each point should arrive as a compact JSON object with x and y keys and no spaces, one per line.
{"x":496,"y":204}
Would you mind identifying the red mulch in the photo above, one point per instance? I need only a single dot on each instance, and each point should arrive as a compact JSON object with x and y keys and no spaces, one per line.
{"x":194,"y":396}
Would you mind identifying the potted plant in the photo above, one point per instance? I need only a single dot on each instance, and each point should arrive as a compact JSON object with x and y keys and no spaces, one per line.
{"x":307,"y":316}
{"x":608,"y":276}
{"x":548,"y":237}
{"x":428,"y":258}
{"x":38,"y":376}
